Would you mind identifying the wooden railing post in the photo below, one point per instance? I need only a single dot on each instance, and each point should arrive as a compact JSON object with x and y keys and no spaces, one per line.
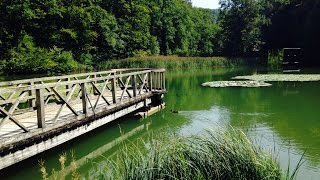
{"x":155,"y":80}
{"x":40,"y":108}
{"x":67,"y":86}
{"x":31,"y":93}
{"x":150,"y":80}
{"x":164,"y":80}
{"x":158,"y":80}
{"x":113,"y":89}
{"x":134,"y":85}
{"x":84,"y":99}
{"x":95,"y":82}
{"x":161,"y":78}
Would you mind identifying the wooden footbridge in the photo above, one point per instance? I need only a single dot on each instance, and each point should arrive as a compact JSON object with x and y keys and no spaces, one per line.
{"x":41,"y":113}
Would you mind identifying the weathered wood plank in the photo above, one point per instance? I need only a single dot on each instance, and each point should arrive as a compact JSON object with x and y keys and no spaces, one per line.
{"x":12,"y":118}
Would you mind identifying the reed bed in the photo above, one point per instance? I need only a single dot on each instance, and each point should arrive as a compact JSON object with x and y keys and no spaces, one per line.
{"x":224,"y":155}
{"x":175,"y":62}
{"x":228,"y":155}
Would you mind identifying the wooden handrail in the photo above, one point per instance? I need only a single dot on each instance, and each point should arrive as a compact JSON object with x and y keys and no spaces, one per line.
{"x":25,"y":81}
{"x":49,"y":85}
{"x":119,"y":84}
{"x":72,"y":82}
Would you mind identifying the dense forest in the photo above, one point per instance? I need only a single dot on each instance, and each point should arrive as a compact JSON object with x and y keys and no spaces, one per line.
{"x":61,"y":35}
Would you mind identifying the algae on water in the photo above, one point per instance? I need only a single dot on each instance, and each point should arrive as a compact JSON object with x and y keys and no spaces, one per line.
{"x":259,"y":80}
{"x":281,"y":77}
{"x":236,"y":84}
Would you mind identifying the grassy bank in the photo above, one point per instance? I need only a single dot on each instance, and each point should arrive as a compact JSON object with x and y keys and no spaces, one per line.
{"x":175,"y":62}
{"x":228,"y":155}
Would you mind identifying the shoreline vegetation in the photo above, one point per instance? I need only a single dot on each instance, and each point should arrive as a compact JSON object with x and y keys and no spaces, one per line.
{"x":59,"y":37}
{"x":212,"y":155}
{"x":176,"y":62}
{"x":168,"y":62}
{"x":39,"y":36}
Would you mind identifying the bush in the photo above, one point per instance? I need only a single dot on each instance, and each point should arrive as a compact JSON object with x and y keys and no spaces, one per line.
{"x":64,"y":60}
{"x":27,"y":58}
{"x":275,"y":58}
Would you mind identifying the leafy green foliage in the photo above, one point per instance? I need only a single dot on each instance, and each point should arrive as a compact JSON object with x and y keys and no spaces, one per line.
{"x":98,"y":30}
{"x":26,"y":58}
{"x":275,"y":59}
{"x":95,"y":31}
{"x":295,"y":24}
{"x":242,"y":23}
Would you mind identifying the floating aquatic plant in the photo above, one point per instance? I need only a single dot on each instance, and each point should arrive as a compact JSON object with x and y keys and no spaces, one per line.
{"x":281,"y":77}
{"x":216,"y":84}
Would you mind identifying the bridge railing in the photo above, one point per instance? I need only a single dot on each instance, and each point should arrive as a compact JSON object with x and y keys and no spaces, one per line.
{"x":72,"y":97}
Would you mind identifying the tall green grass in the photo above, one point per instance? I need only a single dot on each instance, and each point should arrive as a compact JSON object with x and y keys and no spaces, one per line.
{"x":228,"y":155}
{"x":175,"y":62}
{"x":212,"y":155}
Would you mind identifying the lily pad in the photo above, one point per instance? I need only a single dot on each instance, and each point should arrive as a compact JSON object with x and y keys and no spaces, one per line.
{"x":281,"y":77}
{"x":216,"y":84}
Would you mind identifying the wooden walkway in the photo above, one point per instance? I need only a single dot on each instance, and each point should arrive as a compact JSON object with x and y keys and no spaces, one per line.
{"x":42,"y":106}
{"x":30,"y":122}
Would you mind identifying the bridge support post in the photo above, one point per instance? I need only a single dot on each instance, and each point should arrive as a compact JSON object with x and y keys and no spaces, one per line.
{"x":40,"y":108}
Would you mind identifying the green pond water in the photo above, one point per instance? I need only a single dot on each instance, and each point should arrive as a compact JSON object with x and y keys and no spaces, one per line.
{"x":284,"y":119}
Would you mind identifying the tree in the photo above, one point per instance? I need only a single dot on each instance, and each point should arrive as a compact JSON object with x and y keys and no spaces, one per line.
{"x":241,"y":23}
{"x":295,"y":24}
{"x":98,"y":30}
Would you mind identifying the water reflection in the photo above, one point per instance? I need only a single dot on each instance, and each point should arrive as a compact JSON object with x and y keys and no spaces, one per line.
{"x":91,"y":150}
{"x":284,"y":117}
{"x":213,"y":119}
{"x":99,"y":153}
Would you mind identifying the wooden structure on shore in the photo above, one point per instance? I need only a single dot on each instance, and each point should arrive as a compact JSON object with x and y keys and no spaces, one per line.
{"x":41,"y":113}
{"x":292,"y":59}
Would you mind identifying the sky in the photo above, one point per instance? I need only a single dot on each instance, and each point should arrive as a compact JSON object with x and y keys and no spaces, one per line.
{"x":211,"y":4}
